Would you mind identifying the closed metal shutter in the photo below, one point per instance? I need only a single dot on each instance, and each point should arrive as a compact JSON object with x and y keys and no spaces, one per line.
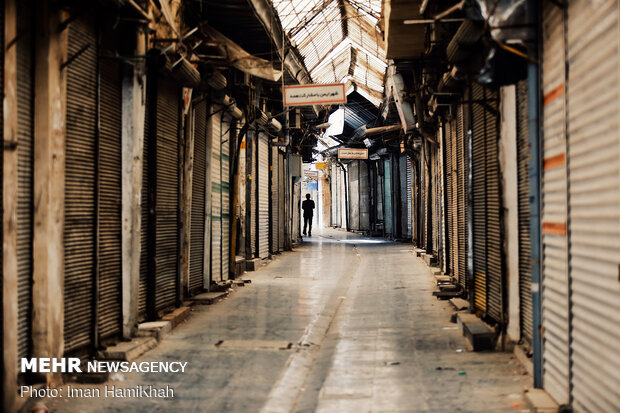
{"x":354,"y":195}
{"x":281,"y":201}
{"x":409,"y":198}
{"x":80,"y":181}
{"x":254,"y":197}
{"x":364,"y":197}
{"x":387,"y":193}
{"x":594,"y":202}
{"x":448,"y":127}
{"x":109,"y":312}
{"x":263,"y":196}
{"x":225,"y":176}
{"x":216,"y":196}
{"x":199,"y":174}
{"x":555,"y":306}
{"x":495,"y":269}
{"x":25,"y":102}
{"x":434,"y":195}
{"x":275,"y":200}
{"x":144,"y":210}
{"x":462,"y":160}
{"x":334,"y":188}
{"x":167,"y":195}
{"x":479,"y":199}
{"x":402,"y":175}
{"x":523,"y":160}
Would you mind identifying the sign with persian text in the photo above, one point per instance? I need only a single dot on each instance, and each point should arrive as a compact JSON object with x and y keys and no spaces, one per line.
{"x":306,"y":95}
{"x":351,"y":153}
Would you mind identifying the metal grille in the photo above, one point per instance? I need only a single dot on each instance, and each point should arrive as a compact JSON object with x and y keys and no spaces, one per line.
{"x":364,"y":197}
{"x":225,"y":176}
{"x":555,"y":313}
{"x":167,"y":195}
{"x":479,"y":199}
{"x":144,"y":211}
{"x":263,"y":196}
{"x":80,"y":179}
{"x":216,"y":196}
{"x":199,"y":174}
{"x":109,"y":312}
{"x":25,"y":102}
{"x":275,"y":199}
{"x":354,"y":195}
{"x":523,"y":160}
{"x":594,"y":202}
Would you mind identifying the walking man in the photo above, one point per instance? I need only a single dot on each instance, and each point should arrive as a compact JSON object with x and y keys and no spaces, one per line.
{"x":308,"y":207}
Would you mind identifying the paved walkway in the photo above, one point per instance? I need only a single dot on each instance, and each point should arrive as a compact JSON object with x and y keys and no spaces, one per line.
{"x":343,"y":324}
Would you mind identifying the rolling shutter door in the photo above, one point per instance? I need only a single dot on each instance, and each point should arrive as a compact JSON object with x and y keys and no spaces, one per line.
{"x":25,"y":102}
{"x":225,"y":176}
{"x":449,"y":127}
{"x":144,"y":210}
{"x":387,"y":193}
{"x":334,"y":188}
{"x":167,"y":195}
{"x":199,"y":174}
{"x":523,"y":160}
{"x":216,"y":198}
{"x":109,"y":313}
{"x":555,"y":316}
{"x":409,"y":198}
{"x":80,"y":180}
{"x":364,"y":197}
{"x":434,"y":195}
{"x":281,"y":201}
{"x":494,"y":210}
{"x":402,"y":172}
{"x":594,"y":202}
{"x":275,"y":199}
{"x":263,"y":196}
{"x":254,"y":197}
{"x":354,"y":195}
{"x":479,"y":191}
{"x":462,"y":162}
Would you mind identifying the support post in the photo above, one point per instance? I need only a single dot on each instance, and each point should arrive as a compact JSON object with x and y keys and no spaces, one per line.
{"x":49,"y":185}
{"x":9,"y":204}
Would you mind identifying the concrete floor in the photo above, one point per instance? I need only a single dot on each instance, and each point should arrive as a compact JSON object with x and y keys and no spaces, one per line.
{"x":365,"y":335}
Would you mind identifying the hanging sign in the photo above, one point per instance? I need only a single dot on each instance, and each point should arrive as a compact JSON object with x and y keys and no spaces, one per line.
{"x":351,"y":153}
{"x":311,"y":174}
{"x":320,"y":165}
{"x":306,"y":95}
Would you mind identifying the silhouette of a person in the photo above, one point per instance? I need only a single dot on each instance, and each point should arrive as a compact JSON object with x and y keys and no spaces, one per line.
{"x":308,"y":208}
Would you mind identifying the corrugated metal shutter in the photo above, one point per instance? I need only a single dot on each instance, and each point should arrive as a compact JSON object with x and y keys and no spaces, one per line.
{"x":461,"y":162}
{"x":225,"y":176}
{"x":80,"y":180}
{"x":594,"y":202}
{"x":144,"y":210}
{"x":495,"y":270}
{"x":254,"y":197}
{"x":434,"y":194}
{"x":523,"y":160}
{"x":364,"y":197}
{"x":216,"y":196}
{"x":25,"y":103}
{"x":555,"y":313}
{"x":387,"y":194}
{"x":275,"y":200}
{"x":109,"y":312}
{"x":199,"y":175}
{"x":282,"y":201}
{"x":402,"y":174}
{"x":448,"y":127}
{"x":167,"y":194}
{"x":335,"y":197}
{"x":479,"y":199}
{"x":354,"y":195}
{"x":263,"y":196}
{"x":409,"y":198}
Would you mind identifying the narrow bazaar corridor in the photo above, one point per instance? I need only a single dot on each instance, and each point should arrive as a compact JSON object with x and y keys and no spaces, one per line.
{"x":342,"y":324}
